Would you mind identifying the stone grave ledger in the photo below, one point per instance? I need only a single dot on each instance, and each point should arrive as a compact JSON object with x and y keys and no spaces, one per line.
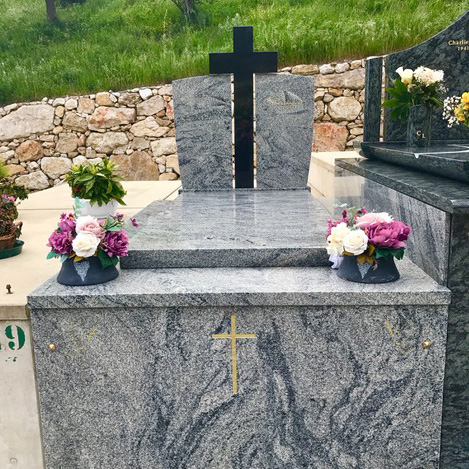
{"x":241,"y":368}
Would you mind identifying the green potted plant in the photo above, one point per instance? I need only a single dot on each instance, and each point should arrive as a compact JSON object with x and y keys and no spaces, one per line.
{"x":97,"y":188}
{"x":10,"y":231}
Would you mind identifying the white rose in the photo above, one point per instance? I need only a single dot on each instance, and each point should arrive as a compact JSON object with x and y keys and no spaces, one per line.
{"x":356,"y":242}
{"x":85,"y":244}
{"x":406,"y":75}
{"x":335,"y":241}
{"x":427,"y":76}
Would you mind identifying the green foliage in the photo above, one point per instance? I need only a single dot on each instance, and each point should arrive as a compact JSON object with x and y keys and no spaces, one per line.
{"x":98,"y":183}
{"x":120,"y":44}
{"x":381,"y":253}
{"x":105,"y":260}
{"x":3,"y":171}
{"x":402,"y":99}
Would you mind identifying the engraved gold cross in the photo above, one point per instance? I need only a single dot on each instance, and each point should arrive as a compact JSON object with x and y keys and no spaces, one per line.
{"x":234,"y":337}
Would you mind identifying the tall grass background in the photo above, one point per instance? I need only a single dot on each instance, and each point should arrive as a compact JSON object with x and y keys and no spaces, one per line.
{"x":119,"y":44}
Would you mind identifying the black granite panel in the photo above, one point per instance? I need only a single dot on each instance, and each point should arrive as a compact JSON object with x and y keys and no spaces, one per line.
{"x":443,"y":159}
{"x":373,"y":84}
{"x":448,"y":195}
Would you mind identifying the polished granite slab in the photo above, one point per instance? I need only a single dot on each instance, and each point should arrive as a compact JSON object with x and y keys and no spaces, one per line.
{"x":243,"y":228}
{"x":284,"y":130}
{"x":442,"y":159}
{"x":446,"y":194}
{"x":240,"y":286}
{"x":333,"y":374}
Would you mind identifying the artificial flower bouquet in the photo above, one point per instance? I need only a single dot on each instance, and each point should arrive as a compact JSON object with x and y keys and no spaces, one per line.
{"x":456,"y":110}
{"x":81,"y":237}
{"x":414,"y":87}
{"x":371,"y":238}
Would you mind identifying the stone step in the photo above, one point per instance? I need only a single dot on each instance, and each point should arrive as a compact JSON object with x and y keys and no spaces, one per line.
{"x":246,"y":228}
{"x":291,"y":286}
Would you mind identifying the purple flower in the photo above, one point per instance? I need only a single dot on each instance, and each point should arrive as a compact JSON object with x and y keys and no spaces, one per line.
{"x":115,"y":244}
{"x":67,"y":222}
{"x":388,"y":235}
{"x":134,"y":222}
{"x":61,"y":242}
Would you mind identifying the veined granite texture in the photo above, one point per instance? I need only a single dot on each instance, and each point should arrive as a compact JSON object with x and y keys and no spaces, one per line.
{"x":373,"y":91}
{"x":231,"y":229}
{"x":443,"y":193}
{"x":441,"y":52}
{"x":428,"y":245}
{"x":319,"y":387}
{"x":455,"y":431}
{"x":202,"y":113}
{"x":284,"y":130}
{"x":241,"y":286}
{"x":442,"y":159}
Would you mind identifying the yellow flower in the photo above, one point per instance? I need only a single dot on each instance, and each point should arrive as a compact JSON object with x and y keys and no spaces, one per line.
{"x":465,"y":98}
{"x":466,"y":107}
{"x":458,"y":112}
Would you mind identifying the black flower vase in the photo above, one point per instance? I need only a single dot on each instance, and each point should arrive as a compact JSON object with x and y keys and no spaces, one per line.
{"x":385,"y":271}
{"x":419,"y":126}
{"x":86,"y":272}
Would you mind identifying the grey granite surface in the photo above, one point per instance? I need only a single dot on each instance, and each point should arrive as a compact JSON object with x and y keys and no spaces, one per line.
{"x":318,"y":387}
{"x":428,"y":245}
{"x":373,"y":91}
{"x":455,"y":431}
{"x":442,"y":159}
{"x":231,"y":229}
{"x":441,"y":52}
{"x":443,"y":193}
{"x":284,"y":130}
{"x":202,"y":113}
{"x":241,"y":286}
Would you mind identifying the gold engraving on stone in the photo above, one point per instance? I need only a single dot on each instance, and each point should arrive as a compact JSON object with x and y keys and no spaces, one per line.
{"x":234,"y":337}
{"x":426,"y":345}
{"x":52,"y":347}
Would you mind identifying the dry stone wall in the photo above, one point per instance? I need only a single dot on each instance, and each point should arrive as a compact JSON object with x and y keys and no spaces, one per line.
{"x":40,"y":141}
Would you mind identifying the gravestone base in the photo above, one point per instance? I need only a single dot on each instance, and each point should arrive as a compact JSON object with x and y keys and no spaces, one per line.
{"x":437,"y":209}
{"x":240,"y":367}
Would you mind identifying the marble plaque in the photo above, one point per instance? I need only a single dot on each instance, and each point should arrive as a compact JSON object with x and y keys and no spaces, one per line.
{"x":447,"y":51}
{"x":284,"y":130}
{"x":202,"y":113}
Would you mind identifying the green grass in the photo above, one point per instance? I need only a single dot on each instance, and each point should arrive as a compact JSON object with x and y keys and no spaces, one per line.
{"x":118,"y":44}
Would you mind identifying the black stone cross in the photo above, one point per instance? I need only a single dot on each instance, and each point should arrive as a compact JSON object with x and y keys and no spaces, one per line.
{"x":243,"y":62}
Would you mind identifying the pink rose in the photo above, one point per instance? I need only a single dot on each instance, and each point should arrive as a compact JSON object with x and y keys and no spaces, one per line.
{"x":371,"y":218}
{"x":89,"y":224}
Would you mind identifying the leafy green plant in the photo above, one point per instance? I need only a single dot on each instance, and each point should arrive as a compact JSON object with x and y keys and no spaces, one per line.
{"x":422,"y":86}
{"x":3,"y":171}
{"x":99,"y":183}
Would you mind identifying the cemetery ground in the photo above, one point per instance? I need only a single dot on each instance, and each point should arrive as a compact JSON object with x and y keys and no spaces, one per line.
{"x":119,"y":44}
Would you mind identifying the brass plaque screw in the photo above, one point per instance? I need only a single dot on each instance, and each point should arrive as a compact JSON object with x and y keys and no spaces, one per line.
{"x":52,"y":347}
{"x":426,"y":345}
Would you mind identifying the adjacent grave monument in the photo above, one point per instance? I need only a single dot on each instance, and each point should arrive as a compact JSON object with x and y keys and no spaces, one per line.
{"x":429,"y":191}
{"x":227,"y":341}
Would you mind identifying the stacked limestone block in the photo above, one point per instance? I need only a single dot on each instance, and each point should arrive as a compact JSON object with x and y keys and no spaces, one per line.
{"x":39,"y":141}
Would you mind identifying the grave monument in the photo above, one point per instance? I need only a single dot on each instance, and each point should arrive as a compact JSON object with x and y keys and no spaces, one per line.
{"x":428,"y":190}
{"x":227,"y":341}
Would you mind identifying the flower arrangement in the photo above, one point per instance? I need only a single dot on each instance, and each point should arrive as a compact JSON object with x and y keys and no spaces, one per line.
{"x":456,"y":110}
{"x":80,"y":237}
{"x":420,"y":86}
{"x":10,"y":195}
{"x":369,"y":236}
{"x":99,"y":183}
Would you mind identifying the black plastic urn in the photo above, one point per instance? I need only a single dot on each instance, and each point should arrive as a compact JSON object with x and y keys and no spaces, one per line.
{"x":86,"y":272}
{"x":385,"y":270}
